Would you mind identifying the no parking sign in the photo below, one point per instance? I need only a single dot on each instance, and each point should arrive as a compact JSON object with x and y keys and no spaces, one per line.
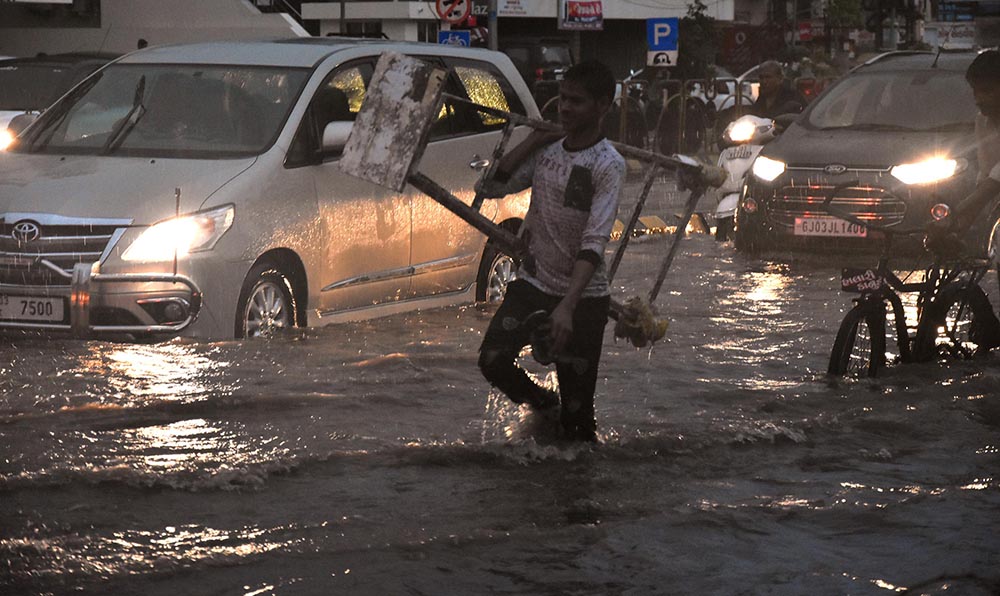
{"x":661,"y":36}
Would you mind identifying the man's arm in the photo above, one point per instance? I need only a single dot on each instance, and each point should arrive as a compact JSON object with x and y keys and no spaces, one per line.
{"x":505,"y":179}
{"x":562,"y":315}
{"x":971,"y":207}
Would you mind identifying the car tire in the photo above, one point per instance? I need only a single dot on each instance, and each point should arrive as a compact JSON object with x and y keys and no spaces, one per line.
{"x":495,"y":271}
{"x":267,"y":303}
{"x":723,"y":228}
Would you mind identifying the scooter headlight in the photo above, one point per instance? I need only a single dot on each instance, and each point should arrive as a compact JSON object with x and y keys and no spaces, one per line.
{"x":741,"y":130}
{"x":767,"y":169}
{"x":927,"y":171}
{"x":180,"y":236}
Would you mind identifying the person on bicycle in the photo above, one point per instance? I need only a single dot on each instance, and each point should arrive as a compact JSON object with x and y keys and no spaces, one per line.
{"x":983,"y":75}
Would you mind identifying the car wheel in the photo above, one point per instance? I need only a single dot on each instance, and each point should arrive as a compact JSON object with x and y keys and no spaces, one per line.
{"x":747,"y":238}
{"x":266,"y":305}
{"x":495,"y":271}
{"x":723,"y":228}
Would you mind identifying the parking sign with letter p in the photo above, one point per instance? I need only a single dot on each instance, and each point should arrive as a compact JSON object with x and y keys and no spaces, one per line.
{"x":661,"y":37}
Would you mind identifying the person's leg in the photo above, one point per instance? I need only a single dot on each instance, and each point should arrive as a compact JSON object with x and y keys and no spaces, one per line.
{"x":578,"y":378}
{"x":502,"y":344}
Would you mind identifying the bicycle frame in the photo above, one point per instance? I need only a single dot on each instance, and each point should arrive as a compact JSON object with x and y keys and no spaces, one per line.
{"x":880,"y":286}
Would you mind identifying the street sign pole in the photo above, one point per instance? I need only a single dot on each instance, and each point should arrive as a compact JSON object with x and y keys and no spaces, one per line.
{"x":491,"y":25}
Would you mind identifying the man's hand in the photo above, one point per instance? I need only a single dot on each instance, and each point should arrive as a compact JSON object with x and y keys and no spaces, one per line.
{"x":562,"y":327}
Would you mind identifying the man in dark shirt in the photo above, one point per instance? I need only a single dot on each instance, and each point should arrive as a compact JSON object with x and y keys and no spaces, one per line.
{"x":775,"y":97}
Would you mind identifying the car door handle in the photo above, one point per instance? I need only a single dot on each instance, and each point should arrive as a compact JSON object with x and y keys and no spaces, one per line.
{"x":479,"y":163}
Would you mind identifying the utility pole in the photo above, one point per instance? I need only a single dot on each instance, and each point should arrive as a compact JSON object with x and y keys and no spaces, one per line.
{"x":491,"y":24}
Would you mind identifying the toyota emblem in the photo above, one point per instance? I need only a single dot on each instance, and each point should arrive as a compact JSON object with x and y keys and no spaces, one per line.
{"x":26,"y":231}
{"x":835,"y":169}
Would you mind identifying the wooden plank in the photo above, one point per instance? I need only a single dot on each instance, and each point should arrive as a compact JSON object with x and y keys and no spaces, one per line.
{"x":390,"y":132}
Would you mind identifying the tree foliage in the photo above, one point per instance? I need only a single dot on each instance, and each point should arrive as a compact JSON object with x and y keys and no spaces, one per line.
{"x":697,"y":43}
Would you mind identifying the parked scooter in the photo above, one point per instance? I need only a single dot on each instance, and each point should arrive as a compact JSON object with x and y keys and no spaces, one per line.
{"x":743,"y":139}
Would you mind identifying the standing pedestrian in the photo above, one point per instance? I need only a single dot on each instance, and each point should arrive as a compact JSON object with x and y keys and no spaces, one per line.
{"x":575,"y":178}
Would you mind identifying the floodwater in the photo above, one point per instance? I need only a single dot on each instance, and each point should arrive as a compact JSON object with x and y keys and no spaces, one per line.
{"x":371,"y":458}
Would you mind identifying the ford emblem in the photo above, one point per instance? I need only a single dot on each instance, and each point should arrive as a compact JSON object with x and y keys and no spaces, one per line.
{"x":835,"y":169}
{"x":26,"y":231}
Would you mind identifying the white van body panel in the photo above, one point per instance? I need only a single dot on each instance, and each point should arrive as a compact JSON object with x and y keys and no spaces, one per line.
{"x":375,"y":252}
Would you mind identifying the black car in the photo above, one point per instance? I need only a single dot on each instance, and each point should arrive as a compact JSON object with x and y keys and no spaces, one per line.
{"x":32,"y":84}
{"x":542,"y":63}
{"x":897,"y":131}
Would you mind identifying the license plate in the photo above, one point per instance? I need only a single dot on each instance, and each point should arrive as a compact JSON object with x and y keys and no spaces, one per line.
{"x":30,"y":308}
{"x":828,"y":226}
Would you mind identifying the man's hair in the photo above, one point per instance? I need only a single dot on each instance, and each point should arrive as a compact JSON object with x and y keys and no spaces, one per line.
{"x":771,"y":66}
{"x":985,"y":68}
{"x":595,"y":78}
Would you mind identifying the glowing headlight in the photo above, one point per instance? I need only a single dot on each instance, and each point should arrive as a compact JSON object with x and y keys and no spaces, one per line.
{"x":767,"y":169}
{"x":6,"y":138}
{"x":930,"y":170}
{"x":180,"y":236}
{"x":741,"y":131}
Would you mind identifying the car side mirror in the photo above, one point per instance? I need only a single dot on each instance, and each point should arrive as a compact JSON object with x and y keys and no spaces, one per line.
{"x":20,"y":122}
{"x":335,"y":135}
{"x":785,"y":120}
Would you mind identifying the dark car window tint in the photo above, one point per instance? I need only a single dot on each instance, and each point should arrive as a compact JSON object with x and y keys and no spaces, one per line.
{"x":338,"y":98}
{"x":906,"y":100}
{"x":32,"y":86}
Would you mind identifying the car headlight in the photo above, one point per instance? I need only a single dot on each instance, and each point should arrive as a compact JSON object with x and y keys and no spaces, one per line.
{"x":180,"y":235}
{"x":930,"y":170}
{"x":767,"y":169}
{"x":6,"y":138}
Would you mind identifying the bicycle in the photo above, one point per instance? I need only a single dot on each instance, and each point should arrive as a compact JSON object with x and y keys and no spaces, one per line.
{"x":954,"y":314}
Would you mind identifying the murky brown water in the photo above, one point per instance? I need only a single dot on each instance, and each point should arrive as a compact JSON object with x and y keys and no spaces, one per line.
{"x":371,"y":458}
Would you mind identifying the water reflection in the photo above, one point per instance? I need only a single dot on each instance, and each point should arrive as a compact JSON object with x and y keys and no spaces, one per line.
{"x":138,"y":373}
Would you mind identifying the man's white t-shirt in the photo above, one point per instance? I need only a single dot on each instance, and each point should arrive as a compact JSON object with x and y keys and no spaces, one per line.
{"x":574,"y":201}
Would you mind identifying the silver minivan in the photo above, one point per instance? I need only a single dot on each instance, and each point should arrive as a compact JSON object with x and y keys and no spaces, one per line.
{"x":195,"y":190}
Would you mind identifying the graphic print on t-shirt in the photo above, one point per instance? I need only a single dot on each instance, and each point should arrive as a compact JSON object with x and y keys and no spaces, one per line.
{"x":579,"y":189}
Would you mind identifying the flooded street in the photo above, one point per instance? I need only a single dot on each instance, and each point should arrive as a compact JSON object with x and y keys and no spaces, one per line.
{"x":372,"y":458}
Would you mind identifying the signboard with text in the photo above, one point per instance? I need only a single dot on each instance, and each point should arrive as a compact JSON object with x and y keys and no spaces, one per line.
{"x":661,"y":37}
{"x":581,"y":15}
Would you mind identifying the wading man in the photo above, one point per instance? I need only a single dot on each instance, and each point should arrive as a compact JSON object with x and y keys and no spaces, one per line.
{"x":575,"y":178}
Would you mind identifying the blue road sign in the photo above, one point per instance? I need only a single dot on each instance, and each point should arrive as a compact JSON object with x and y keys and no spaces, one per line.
{"x":661,"y":36}
{"x":455,"y":38}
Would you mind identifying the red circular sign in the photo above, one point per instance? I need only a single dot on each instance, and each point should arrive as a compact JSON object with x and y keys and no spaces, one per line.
{"x":454,"y":11}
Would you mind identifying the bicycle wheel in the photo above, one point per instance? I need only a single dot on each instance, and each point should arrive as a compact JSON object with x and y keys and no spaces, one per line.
{"x":959,"y":322}
{"x":859,"y":349}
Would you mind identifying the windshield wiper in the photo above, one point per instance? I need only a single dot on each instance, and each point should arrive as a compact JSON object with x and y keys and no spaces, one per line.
{"x":126,"y":124}
{"x":55,"y":116}
{"x":872,"y":126}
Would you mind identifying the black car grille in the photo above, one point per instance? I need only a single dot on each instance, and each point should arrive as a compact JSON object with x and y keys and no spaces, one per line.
{"x":49,"y":259}
{"x":868,"y":203}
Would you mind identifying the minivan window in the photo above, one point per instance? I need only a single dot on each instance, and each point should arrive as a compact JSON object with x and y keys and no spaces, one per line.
{"x":161,"y":110}
{"x":905,"y":100}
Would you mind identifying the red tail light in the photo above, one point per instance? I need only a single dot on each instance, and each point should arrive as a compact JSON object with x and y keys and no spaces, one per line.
{"x":539,"y":74}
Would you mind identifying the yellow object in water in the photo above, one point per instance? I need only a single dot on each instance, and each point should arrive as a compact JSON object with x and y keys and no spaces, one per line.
{"x":639,"y":324}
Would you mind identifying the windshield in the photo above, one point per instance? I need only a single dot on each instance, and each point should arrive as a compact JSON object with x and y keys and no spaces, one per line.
{"x":554,"y":55}
{"x":157,"y":110}
{"x":25,"y":87}
{"x":916,"y":101}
